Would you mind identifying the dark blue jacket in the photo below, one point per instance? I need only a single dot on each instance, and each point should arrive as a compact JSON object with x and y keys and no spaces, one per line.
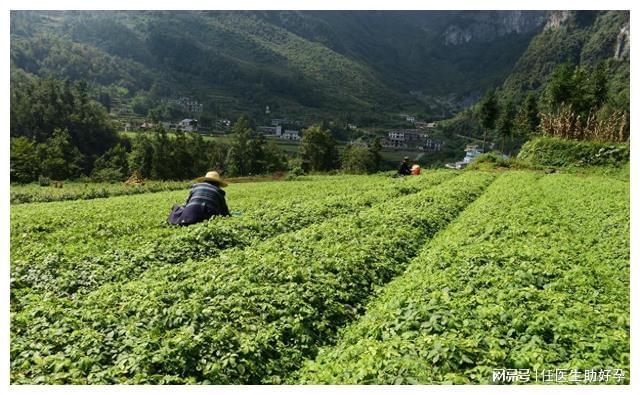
{"x":404,"y":169}
{"x":205,"y":200}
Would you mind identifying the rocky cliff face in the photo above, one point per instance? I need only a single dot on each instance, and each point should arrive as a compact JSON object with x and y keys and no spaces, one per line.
{"x":557,"y":19}
{"x":489,"y":25}
{"x":622,"y":43}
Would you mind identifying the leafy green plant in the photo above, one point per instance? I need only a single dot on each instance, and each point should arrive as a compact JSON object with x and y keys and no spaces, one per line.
{"x":552,"y":151}
{"x":77,"y":253}
{"x":249,"y":315}
{"x":29,"y":193}
{"x":534,"y":275}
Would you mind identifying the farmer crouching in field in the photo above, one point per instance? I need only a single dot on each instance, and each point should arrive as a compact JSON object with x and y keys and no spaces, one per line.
{"x":404,"y":169}
{"x":205,"y":200}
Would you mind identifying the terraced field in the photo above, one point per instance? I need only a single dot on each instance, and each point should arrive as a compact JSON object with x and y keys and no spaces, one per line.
{"x":443,"y":277}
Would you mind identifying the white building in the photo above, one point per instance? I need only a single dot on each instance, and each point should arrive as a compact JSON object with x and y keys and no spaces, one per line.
{"x":290,"y":135}
{"x":188,"y":125}
{"x":472,"y":151}
{"x":430,"y":144}
{"x":404,"y":139}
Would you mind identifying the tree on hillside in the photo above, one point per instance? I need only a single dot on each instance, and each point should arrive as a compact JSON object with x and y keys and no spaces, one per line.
{"x":318,"y":148}
{"x":24,"y":161}
{"x":488,"y":114}
{"x":358,"y":159}
{"x":238,"y":160}
{"x":528,"y":119}
{"x":40,"y":106}
{"x":375,"y":148}
{"x":583,"y":89}
{"x":141,"y":156}
{"x":180,"y":156}
{"x":579,"y":101}
{"x":162,"y":166}
{"x":506,"y":122}
{"x":112,"y":166}
{"x":561,"y":87}
{"x":274,"y":157}
{"x":598,"y":85}
{"x":256,"y":161}
{"x":216,"y":155}
{"x":59,"y":158}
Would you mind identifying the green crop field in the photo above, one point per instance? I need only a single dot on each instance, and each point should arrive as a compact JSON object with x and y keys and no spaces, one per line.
{"x":442,"y":278}
{"x":29,"y":193}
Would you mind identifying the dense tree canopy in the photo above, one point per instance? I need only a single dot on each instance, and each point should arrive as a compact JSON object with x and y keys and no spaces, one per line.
{"x":40,"y":106}
{"x":318,"y":149}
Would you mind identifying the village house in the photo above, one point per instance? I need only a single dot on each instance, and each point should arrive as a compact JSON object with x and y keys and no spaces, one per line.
{"x":187,"y":104}
{"x":146,"y":126}
{"x":430,"y":144}
{"x":408,"y":118}
{"x":401,"y":138}
{"x":411,"y":139}
{"x":188,"y":125}
{"x":290,"y":135}
{"x":471,"y":152}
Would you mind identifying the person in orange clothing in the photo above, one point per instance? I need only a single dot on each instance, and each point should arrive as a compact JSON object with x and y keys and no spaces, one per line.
{"x":415,"y":170}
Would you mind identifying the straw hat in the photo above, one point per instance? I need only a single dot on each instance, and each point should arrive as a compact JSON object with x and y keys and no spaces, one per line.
{"x":415,"y":166}
{"x":214,"y":177}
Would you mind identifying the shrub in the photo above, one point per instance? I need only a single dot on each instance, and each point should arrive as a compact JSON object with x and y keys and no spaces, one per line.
{"x":107,"y":174}
{"x":553,"y":151}
{"x":44,"y":181}
{"x":295,"y":172}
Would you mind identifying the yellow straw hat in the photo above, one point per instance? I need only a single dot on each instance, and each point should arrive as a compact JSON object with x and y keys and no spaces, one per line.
{"x":214,"y":177}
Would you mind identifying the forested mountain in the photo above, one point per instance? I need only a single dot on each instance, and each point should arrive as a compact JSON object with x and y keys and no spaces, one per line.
{"x":582,"y":38}
{"x":73,"y":73}
{"x":574,"y":75}
{"x":357,"y":65}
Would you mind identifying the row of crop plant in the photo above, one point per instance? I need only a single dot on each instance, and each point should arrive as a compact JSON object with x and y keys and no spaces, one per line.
{"x":249,"y":315}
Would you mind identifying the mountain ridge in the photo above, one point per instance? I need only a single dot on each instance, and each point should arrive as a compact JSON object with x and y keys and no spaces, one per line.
{"x":356,"y":65}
